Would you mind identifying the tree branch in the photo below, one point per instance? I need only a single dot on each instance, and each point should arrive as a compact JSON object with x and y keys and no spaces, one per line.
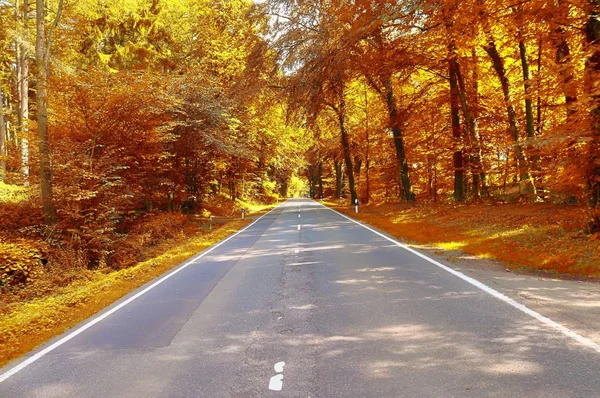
{"x":51,"y":32}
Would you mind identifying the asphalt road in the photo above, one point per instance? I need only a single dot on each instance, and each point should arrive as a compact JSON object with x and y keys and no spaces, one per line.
{"x":349,"y":312}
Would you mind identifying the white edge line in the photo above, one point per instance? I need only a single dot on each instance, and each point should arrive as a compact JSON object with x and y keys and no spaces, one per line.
{"x":94,"y":321}
{"x":549,"y":322}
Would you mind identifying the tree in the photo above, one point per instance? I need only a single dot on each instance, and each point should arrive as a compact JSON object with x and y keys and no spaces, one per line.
{"x":593,"y":76}
{"x":42,"y":57}
{"x":526,"y":182}
{"x":22,"y":66}
{"x":2,"y":138}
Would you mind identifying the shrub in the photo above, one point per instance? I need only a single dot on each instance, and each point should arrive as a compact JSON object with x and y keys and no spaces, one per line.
{"x":20,"y":262}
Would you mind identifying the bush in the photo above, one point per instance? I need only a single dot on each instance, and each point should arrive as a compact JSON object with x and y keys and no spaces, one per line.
{"x":153,"y":229}
{"x":20,"y":262}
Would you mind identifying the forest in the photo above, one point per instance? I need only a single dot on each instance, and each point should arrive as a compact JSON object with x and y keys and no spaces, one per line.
{"x":121,"y":121}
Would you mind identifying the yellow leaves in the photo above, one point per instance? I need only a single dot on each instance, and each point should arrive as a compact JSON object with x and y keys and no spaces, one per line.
{"x":19,"y":262}
{"x":13,"y":193}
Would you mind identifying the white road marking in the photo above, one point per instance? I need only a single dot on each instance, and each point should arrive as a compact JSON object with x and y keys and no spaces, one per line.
{"x":279,"y":367}
{"x":298,"y":215}
{"x":549,"y":322}
{"x":276,"y":383}
{"x":299,"y":227}
{"x":94,"y":321}
{"x":297,"y":251}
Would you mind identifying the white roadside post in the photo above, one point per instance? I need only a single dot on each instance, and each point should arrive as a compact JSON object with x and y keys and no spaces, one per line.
{"x":356,"y":206}
{"x":243,"y":212}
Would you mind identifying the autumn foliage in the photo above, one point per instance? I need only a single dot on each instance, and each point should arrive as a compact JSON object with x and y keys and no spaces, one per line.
{"x":159,"y":110}
{"x":447,"y":101}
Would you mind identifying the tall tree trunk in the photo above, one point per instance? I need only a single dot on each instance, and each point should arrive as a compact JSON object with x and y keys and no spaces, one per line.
{"x":593,"y":77}
{"x":539,"y":88}
{"x":42,"y":56}
{"x":338,"y":179}
{"x":387,"y":92}
{"x":311,"y":181}
{"x":529,"y":118}
{"x":345,"y":141}
{"x":367,"y":149}
{"x":23,"y":89}
{"x":458,"y":157}
{"x":476,"y":138}
{"x":527,"y":87}
{"x":2,"y":138}
{"x":479,"y":176}
{"x":526,"y":185}
{"x":563,"y":59}
{"x":320,"y":176}
{"x":396,"y":124}
{"x":458,"y":160}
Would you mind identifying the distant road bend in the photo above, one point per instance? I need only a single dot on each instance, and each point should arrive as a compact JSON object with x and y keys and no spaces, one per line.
{"x":308,"y":303}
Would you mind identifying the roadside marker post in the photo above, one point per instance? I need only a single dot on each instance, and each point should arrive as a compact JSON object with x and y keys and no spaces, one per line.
{"x":243,"y":212}
{"x":356,"y":206}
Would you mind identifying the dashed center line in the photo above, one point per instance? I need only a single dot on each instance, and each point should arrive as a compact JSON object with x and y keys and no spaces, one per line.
{"x":299,"y":227}
{"x":279,"y":367}
{"x":276,"y":382}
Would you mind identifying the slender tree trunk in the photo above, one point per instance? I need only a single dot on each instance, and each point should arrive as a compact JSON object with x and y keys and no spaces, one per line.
{"x":527,"y":87}
{"x":403,"y":172}
{"x":367,"y":150}
{"x":2,"y":139}
{"x":320,"y":170}
{"x":338,"y":178}
{"x":563,"y":59}
{"x":593,"y":76}
{"x":458,"y":160}
{"x":479,"y":176}
{"x":23,"y":89}
{"x":387,"y":92}
{"x":525,"y":181}
{"x":345,"y":141}
{"x":529,"y":118}
{"x":458,"y":142}
{"x":42,"y":53}
{"x":476,"y":139}
{"x":539,"y":88}
{"x":311,"y":181}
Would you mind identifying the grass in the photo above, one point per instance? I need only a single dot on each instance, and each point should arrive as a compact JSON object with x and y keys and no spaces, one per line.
{"x":27,"y":324}
{"x":13,"y":193}
{"x":535,"y":237}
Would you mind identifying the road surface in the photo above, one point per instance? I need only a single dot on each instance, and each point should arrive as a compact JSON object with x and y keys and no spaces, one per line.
{"x":307,"y":303}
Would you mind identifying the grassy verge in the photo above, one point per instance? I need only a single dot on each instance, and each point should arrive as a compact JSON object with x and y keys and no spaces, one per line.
{"x":530,"y":237}
{"x":27,"y":324}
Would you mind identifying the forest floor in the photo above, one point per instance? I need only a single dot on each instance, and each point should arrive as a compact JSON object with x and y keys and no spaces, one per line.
{"x":544,"y":239}
{"x":60,"y":299}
